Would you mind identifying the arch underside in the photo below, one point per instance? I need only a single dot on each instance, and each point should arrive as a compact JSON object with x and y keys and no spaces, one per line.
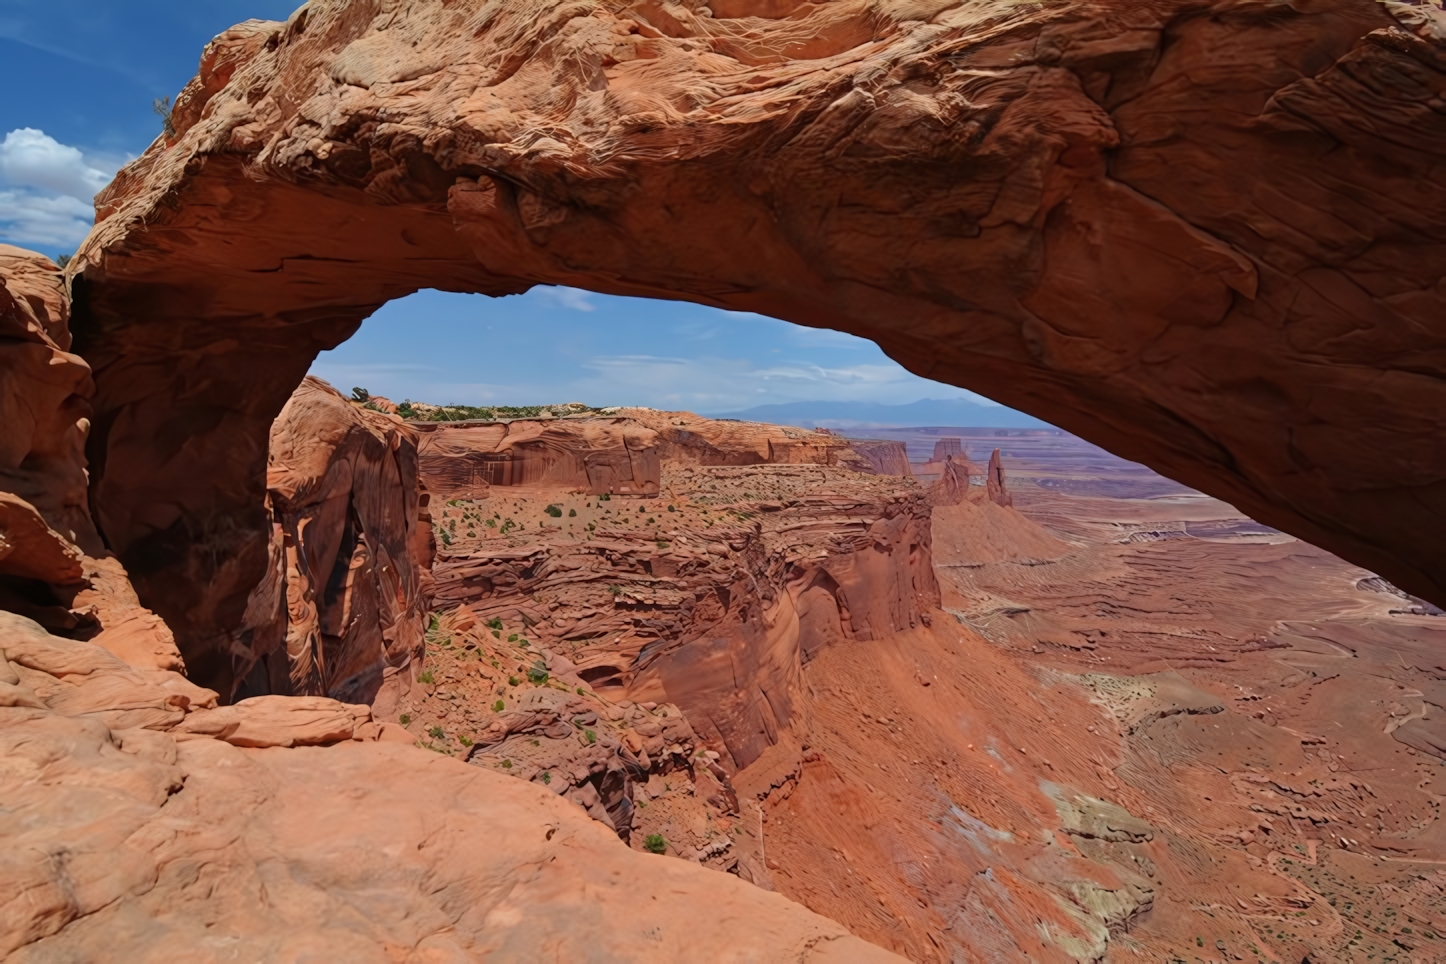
{"x":1205,"y":237}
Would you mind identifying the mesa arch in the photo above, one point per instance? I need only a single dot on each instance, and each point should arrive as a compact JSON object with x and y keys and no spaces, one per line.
{"x":1207,"y":236}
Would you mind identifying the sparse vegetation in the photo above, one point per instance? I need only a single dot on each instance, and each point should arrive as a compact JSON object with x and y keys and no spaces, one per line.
{"x":590,"y":736}
{"x":654,"y":843}
{"x":556,"y":511}
{"x":537,"y":674}
{"x":162,"y":107}
{"x":436,"y":733}
{"x":406,"y":718}
{"x":498,"y":706}
{"x":425,"y":676}
{"x":513,"y":681}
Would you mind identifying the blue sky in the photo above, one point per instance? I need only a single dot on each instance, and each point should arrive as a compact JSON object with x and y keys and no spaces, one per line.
{"x":81,"y":76}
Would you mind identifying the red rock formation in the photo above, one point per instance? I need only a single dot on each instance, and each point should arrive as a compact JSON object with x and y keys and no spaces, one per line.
{"x":1003,"y":207}
{"x":994,"y":482}
{"x":623,"y":453}
{"x":947,"y":448}
{"x":182,"y":822}
{"x":342,"y":602}
{"x":53,"y":567}
{"x":711,"y":599}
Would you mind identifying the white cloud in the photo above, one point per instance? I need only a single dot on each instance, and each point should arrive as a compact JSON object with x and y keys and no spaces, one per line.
{"x":33,"y":159}
{"x":573,"y":298}
{"x":50,"y":189}
{"x":28,"y":217}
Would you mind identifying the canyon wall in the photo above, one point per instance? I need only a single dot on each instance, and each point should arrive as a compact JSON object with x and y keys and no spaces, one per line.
{"x":711,"y":598}
{"x":54,"y":568}
{"x":991,"y":192}
{"x":623,"y":453}
{"x":342,"y":606}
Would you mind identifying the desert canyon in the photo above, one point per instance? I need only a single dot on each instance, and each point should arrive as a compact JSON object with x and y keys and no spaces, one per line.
{"x":292,"y":675}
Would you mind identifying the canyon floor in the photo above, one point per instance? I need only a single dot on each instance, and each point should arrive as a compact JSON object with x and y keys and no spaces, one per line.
{"x":1140,"y":726}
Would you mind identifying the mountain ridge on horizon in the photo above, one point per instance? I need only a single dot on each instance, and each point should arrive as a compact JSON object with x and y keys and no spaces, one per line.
{"x":925,"y":411}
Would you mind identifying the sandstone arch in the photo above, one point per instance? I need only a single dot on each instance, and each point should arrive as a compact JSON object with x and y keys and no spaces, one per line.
{"x":1204,"y":235}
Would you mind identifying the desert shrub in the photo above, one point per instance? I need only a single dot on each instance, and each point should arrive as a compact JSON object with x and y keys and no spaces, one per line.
{"x":537,"y":674}
{"x":498,"y":706}
{"x":655,"y":844}
{"x":513,"y":681}
{"x":446,"y":538}
{"x":494,"y":623}
{"x":436,"y":733}
{"x":554,"y":510}
{"x":406,"y":718}
{"x":512,"y":638}
{"x":464,"y":740}
{"x":590,"y":735}
{"x":405,"y":410}
{"x":604,"y":498}
{"x":546,"y":777}
{"x":425,"y":676}
{"x":162,"y":107}
{"x":507,"y":764}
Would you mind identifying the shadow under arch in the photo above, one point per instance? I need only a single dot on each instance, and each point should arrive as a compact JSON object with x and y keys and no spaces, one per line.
{"x":1234,"y":280}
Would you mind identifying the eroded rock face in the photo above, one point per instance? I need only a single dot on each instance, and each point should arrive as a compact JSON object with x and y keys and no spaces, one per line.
{"x":53,"y":566}
{"x":712,"y":597}
{"x":342,"y":605}
{"x":1203,"y":236}
{"x":143,"y":820}
{"x":623,"y":454}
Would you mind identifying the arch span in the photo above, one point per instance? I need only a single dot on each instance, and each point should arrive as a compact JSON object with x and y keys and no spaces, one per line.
{"x":1205,"y":235}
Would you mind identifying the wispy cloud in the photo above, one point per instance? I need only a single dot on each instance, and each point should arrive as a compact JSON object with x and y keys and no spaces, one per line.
{"x":50,"y":186}
{"x":574,"y":299}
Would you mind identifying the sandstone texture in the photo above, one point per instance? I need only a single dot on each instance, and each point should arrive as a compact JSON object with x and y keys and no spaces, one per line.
{"x":144,"y":822}
{"x":1205,"y":235}
{"x":342,"y":606}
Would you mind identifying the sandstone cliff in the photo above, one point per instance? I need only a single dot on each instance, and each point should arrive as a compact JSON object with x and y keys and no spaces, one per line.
{"x":342,"y":605}
{"x":711,"y":597}
{"x":623,"y":453}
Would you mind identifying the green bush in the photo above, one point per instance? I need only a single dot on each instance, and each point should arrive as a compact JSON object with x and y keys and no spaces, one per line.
{"x":512,"y":638}
{"x":546,"y":777}
{"x":537,"y":674}
{"x":464,"y":740}
{"x":425,"y":677}
{"x":494,"y":623}
{"x":405,"y":410}
{"x":498,"y":706}
{"x":406,"y":718}
{"x":513,"y":681}
{"x":655,"y":844}
{"x":590,"y":735}
{"x":554,"y":510}
{"x":507,"y":764}
{"x":436,"y":733}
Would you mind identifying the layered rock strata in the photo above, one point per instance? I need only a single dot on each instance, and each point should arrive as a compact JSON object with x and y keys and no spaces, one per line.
{"x":712,"y":599}
{"x":623,"y":453}
{"x":992,"y":192}
{"x":342,"y":606}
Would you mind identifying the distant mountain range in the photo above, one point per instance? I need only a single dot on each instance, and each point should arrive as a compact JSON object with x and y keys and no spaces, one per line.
{"x":928,"y":411}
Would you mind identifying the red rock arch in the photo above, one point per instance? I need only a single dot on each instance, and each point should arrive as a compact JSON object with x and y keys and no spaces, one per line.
{"x":1204,"y":235}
